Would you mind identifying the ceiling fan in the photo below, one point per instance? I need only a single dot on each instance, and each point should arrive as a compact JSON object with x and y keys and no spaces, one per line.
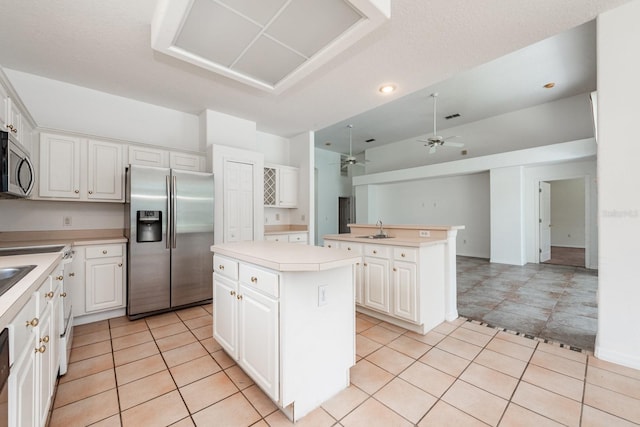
{"x":435,"y":141}
{"x":351,"y":159}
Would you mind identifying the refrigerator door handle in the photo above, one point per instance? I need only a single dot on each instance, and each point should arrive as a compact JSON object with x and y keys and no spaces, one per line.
{"x":174,"y":208}
{"x":169,"y":215}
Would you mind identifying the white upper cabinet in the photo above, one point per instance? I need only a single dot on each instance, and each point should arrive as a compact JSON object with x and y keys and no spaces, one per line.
{"x":281,"y":186}
{"x":147,"y":156}
{"x":184,"y":161}
{"x":3,"y":108}
{"x":60,"y":166}
{"x":105,"y":172}
{"x":74,"y":168}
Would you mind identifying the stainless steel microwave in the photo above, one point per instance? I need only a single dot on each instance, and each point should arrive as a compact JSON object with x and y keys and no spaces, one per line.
{"x":17,"y":175}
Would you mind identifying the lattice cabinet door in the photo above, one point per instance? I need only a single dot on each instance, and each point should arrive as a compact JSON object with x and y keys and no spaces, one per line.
{"x":270,"y":182}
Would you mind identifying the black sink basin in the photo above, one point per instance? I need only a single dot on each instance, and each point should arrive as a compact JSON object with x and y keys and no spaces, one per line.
{"x":9,"y":276}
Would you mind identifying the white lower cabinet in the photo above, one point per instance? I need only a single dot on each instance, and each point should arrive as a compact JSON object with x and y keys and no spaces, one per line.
{"x":245,"y":320}
{"x":401,"y":284}
{"x":36,"y":360}
{"x":258,"y":338}
{"x":294,"y":344}
{"x":98,"y":285}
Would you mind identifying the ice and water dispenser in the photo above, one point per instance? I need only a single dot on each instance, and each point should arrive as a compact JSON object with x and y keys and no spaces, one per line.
{"x":149,"y":226}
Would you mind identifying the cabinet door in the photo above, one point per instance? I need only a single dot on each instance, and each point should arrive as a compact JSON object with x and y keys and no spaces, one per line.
{"x":225,"y":314}
{"x":376,"y":284}
{"x":14,"y":120}
{"x":23,"y":387}
{"x":288,"y":188}
{"x":104,"y":282}
{"x":183,"y":161}
{"x":238,"y":201}
{"x":258,"y":339}
{"x":59,"y":166}
{"x":45,"y":375}
{"x":270,"y":186}
{"x":4,"y":97}
{"x":404,"y":290}
{"x":105,"y":174}
{"x":146,"y":156}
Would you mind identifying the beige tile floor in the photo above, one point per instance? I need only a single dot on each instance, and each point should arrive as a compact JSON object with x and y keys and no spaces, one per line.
{"x":167,"y":370}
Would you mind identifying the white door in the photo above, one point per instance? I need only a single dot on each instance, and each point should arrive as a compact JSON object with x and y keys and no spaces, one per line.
{"x":106,"y":171}
{"x":59,"y":166}
{"x":404,"y":290}
{"x":104,"y":284}
{"x":238,"y":201}
{"x":545,"y":221}
{"x":258,"y":339}
{"x":376,"y":284}
{"x":225,"y":314}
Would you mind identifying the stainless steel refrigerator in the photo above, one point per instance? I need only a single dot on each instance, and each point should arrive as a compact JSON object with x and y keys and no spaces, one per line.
{"x":169,"y":224}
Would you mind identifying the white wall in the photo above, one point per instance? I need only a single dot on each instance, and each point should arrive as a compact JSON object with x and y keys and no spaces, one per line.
{"x":224,"y":129}
{"x":567,"y":213}
{"x":33,"y":215}
{"x":302,"y":154}
{"x":275,"y":148}
{"x":567,"y":119}
{"x":62,"y":106}
{"x":507,"y":213}
{"x":618,"y":178}
{"x":441,"y":201}
{"x":330,"y":185}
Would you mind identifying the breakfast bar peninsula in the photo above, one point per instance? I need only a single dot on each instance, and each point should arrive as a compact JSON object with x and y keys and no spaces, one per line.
{"x":286,"y":314}
{"x":407,"y":274}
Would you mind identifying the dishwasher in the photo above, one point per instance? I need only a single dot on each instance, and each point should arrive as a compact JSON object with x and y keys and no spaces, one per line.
{"x":4,"y":376}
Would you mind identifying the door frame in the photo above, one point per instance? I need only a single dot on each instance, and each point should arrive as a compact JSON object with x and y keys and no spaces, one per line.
{"x":588,"y":262}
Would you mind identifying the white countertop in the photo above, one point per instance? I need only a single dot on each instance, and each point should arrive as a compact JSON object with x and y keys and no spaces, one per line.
{"x":12,"y":301}
{"x":391,"y":241}
{"x":286,"y":256}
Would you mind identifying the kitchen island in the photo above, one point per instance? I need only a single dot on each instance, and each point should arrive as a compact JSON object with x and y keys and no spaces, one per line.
{"x":286,"y":314}
{"x":407,"y":275}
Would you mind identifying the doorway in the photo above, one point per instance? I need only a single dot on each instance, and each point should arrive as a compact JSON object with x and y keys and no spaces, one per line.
{"x":562,"y":222}
{"x":346,"y":214}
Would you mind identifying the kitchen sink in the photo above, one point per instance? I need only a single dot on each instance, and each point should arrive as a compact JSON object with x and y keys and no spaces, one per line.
{"x":375,"y":236}
{"x":9,"y":276}
{"x":31,"y":250}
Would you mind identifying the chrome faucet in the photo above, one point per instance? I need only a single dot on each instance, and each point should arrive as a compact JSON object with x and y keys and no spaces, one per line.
{"x":381,"y":231}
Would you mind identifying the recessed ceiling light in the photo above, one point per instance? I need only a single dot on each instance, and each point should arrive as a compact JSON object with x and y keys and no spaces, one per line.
{"x":549,"y":85}
{"x":387,"y":88}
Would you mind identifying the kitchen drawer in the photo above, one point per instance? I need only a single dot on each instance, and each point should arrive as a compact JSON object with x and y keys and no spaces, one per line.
{"x":103,"y":251}
{"x":276,"y":237}
{"x":405,"y":254}
{"x":225,"y":266}
{"x":261,"y":280}
{"x":355,"y":248}
{"x":20,"y":330}
{"x":377,"y":251}
{"x":331,"y":244}
{"x":298,"y":238}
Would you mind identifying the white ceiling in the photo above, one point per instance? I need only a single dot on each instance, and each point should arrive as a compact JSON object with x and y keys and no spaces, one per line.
{"x":105,"y":45}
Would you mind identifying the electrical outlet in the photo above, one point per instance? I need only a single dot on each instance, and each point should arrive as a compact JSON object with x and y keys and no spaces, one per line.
{"x":322,"y":295}
{"x":302,"y":217}
{"x":425,"y":233}
{"x":277,"y":217}
{"x":66,"y":221}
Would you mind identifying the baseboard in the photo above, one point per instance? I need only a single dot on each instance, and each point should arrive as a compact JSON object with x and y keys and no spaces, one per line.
{"x":96,"y":317}
{"x":616,"y":357}
{"x":568,"y":246}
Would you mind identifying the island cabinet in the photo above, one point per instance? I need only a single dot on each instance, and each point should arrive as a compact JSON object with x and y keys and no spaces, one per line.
{"x":286,"y":315}
{"x":403,"y":285}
